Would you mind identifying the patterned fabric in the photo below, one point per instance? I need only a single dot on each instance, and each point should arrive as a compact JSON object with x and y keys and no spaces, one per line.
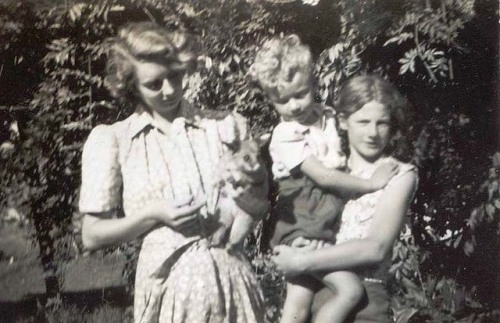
{"x":179,"y":278}
{"x":358,"y":215}
{"x":355,"y":223}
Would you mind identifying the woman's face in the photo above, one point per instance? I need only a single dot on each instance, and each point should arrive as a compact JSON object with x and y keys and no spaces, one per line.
{"x":368,"y":130}
{"x":159,"y":87}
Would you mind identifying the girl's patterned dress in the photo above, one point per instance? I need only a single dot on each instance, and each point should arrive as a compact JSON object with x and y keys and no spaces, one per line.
{"x":358,"y":215}
{"x":179,"y":277}
{"x":356,"y":220}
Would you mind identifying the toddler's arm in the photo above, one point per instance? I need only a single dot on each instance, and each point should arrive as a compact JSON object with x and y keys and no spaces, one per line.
{"x":344,"y":183}
{"x":386,"y":226}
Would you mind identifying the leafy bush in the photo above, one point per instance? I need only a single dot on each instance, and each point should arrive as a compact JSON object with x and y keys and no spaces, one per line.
{"x":428,"y":48}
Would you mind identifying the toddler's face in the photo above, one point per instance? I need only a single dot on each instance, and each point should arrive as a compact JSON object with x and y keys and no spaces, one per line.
{"x":293,"y":99}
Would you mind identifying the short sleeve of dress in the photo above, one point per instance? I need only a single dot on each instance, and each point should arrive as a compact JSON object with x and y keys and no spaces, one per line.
{"x":288,"y":149}
{"x":101,"y":177}
{"x":403,"y":169}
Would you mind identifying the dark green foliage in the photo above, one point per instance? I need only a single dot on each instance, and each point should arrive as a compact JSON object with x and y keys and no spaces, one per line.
{"x":52,"y":60}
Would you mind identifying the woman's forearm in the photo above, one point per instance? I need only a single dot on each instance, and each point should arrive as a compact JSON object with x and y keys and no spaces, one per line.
{"x":100,"y":233}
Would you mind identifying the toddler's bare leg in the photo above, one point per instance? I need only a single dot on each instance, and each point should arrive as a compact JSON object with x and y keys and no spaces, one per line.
{"x":299,"y":297}
{"x":348,"y":290}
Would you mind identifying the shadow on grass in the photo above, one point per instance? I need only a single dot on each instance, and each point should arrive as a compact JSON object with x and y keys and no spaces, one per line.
{"x":104,"y":305}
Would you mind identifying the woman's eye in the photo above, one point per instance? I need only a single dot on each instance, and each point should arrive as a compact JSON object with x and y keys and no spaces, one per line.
{"x":174,"y":75}
{"x":154,"y":85}
{"x":280,"y":101}
{"x":301,"y":95}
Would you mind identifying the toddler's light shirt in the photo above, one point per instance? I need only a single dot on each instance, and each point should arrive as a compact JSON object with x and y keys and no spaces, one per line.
{"x":293,"y":142}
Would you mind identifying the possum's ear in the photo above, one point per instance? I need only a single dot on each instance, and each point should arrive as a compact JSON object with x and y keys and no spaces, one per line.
{"x":263,"y":139}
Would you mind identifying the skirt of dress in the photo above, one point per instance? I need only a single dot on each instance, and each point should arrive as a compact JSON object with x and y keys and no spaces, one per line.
{"x":200,"y":284}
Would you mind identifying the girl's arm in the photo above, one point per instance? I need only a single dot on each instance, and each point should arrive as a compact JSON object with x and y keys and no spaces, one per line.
{"x":99,"y":231}
{"x":344,"y":183}
{"x":385,"y":228}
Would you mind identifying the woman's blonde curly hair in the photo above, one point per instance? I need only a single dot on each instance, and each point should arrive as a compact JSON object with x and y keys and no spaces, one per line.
{"x":279,"y":59}
{"x":146,"y":42}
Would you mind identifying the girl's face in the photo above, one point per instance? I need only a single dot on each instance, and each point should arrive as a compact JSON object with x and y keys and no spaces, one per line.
{"x":159,"y":87}
{"x":293,"y":100}
{"x":368,"y":130}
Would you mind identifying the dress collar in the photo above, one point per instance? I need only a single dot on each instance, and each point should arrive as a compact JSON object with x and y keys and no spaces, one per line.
{"x":321,"y":111}
{"x":370,"y":168}
{"x":142,"y":119}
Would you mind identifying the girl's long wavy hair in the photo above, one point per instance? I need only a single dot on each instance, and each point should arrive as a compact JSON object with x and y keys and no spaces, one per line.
{"x":360,"y":90}
{"x":146,"y":42}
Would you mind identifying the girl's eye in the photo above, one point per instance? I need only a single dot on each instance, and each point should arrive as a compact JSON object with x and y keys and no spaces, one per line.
{"x":154,"y":85}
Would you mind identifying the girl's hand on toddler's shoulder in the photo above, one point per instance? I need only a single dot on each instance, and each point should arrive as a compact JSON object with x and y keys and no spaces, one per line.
{"x":383,"y":174}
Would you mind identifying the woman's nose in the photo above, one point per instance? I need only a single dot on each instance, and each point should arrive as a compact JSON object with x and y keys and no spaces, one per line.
{"x":167,"y":88}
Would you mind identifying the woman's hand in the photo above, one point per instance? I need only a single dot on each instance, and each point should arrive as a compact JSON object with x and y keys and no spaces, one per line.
{"x":176,"y":217}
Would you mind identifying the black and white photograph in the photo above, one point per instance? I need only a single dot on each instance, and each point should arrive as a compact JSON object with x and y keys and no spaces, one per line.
{"x":249,"y":161}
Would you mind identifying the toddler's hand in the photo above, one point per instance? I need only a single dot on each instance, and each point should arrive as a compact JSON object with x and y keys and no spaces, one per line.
{"x":383,"y":175}
{"x":304,"y":244}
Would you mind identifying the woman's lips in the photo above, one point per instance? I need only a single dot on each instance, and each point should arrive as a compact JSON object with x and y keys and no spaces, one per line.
{"x":170,"y":101}
{"x":371,"y":144}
